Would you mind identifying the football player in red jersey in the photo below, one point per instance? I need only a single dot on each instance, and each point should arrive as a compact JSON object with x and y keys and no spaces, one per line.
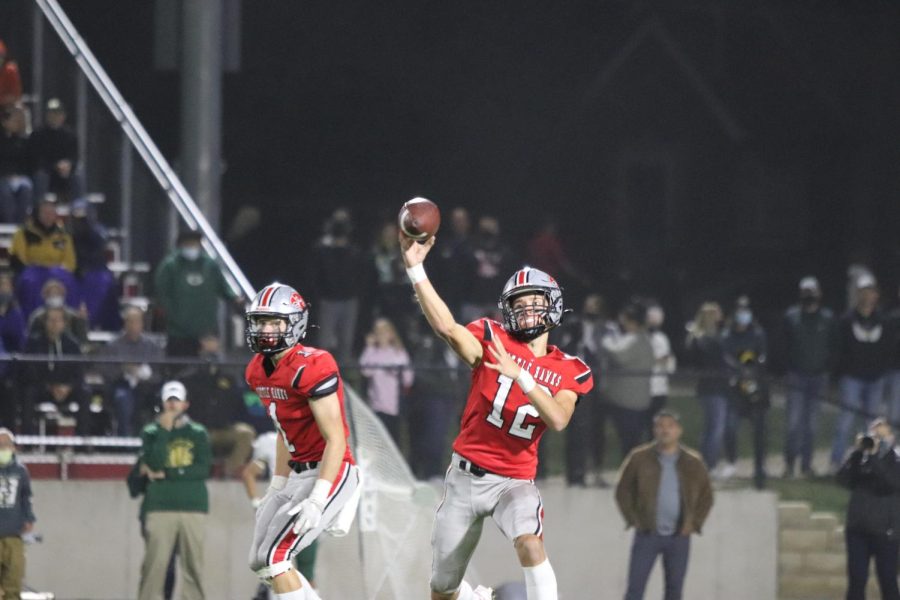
{"x":315,"y":483}
{"x":520,"y":387}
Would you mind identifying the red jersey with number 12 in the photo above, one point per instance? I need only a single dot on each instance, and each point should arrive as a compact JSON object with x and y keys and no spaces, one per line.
{"x":303,"y":374}
{"x":500,"y":428}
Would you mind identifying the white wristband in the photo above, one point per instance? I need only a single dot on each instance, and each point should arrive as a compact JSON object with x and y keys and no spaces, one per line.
{"x":278,"y":482}
{"x":525,"y":381}
{"x":416,"y":273}
{"x":319,"y":493}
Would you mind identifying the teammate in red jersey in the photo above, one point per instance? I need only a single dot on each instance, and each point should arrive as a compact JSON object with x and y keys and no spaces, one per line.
{"x":520,"y":387}
{"x":315,"y":483}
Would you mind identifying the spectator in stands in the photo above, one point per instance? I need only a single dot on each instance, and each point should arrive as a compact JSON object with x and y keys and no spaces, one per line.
{"x":12,"y":339}
{"x":863,"y":357}
{"x":665,"y":494}
{"x":872,"y":473}
{"x":16,"y":161}
{"x":12,"y":321}
{"x":809,"y":330}
{"x":385,"y":364}
{"x":746,"y":353}
{"x":546,"y":251}
{"x":175,"y":457}
{"x":629,"y":358}
{"x":54,"y":388}
{"x":10,"y":80}
{"x":433,"y":400}
{"x":582,"y":335}
{"x":337,"y":273}
{"x":16,"y":516}
{"x":42,"y":249}
{"x":704,"y":345}
{"x":189,"y":285}
{"x":54,"y":294}
{"x":455,"y":263}
{"x":391,"y":296}
{"x":132,"y":385}
{"x":664,"y":365}
{"x":492,"y":261}
{"x":97,"y":282}
{"x":262,"y":465}
{"x":219,"y":406}
{"x":55,"y":151}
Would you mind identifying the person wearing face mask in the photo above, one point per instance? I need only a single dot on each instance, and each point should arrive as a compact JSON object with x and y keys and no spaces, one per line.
{"x":746,"y":349}
{"x":52,"y":387}
{"x":16,"y":516}
{"x":54,"y":295}
{"x":97,"y":283}
{"x":582,"y":335}
{"x":491,"y":261}
{"x":872,"y":528}
{"x":189,"y":285}
{"x":42,"y":249}
{"x":664,"y":365}
{"x":219,"y":406}
{"x":863,"y":357}
{"x":809,"y":330}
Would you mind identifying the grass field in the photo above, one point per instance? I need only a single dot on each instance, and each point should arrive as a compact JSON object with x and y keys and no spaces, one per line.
{"x":822,"y":492}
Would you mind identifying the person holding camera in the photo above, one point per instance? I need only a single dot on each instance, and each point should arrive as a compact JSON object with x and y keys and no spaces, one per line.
{"x":872,"y":530}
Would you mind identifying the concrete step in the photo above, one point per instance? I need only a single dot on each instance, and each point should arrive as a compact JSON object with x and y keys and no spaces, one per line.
{"x":808,"y":563}
{"x":803,"y":540}
{"x":793,"y":513}
{"x":824,"y":521}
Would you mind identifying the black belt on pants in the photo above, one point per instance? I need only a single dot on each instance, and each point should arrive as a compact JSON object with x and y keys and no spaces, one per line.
{"x":299,"y":467}
{"x":467,"y":465}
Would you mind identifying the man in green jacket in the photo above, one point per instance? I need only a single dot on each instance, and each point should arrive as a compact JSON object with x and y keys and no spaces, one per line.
{"x":665,"y":494}
{"x":175,"y":458}
{"x":189,"y":285}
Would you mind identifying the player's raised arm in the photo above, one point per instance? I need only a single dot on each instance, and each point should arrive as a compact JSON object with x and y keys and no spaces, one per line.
{"x":461,"y":340}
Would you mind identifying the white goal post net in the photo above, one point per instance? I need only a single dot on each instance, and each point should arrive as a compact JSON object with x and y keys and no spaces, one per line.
{"x":396,"y":512}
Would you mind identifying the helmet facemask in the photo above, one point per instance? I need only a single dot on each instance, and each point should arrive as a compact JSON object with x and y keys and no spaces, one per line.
{"x":542,"y":317}
{"x":527,"y":320}
{"x":279,"y":304}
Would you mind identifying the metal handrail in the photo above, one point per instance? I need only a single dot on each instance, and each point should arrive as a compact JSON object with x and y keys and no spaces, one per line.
{"x":144,"y":145}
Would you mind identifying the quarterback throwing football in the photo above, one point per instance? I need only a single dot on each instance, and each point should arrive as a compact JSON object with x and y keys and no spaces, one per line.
{"x":315,"y":482}
{"x":520,"y":387}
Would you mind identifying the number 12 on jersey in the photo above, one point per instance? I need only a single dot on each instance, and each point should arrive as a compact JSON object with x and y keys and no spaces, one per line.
{"x":517,"y":429}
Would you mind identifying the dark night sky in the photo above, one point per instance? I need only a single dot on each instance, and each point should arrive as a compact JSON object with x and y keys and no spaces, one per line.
{"x":612,"y":117}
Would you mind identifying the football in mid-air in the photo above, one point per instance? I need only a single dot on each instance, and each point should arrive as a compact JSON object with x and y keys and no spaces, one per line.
{"x":419,"y":219}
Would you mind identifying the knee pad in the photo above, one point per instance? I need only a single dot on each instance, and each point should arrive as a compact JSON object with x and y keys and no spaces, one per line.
{"x":268,"y":573}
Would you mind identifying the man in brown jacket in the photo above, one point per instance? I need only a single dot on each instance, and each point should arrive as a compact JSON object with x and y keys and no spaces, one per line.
{"x":665,"y":494}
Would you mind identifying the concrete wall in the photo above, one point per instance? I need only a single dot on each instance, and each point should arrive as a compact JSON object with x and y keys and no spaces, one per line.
{"x":92,"y":547}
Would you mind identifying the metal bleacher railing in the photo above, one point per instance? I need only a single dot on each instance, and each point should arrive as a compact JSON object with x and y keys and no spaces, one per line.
{"x":144,"y":145}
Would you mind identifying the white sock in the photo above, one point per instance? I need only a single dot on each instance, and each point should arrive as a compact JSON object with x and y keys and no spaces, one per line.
{"x":307,"y":588}
{"x":465,"y":591}
{"x":540,"y":581}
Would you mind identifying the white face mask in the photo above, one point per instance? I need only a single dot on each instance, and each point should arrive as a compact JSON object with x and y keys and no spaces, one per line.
{"x":191,"y":253}
{"x":55,"y":301}
{"x":6,"y":457}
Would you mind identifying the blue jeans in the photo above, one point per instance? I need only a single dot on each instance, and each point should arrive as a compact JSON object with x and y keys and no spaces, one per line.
{"x":893,"y":397}
{"x":715,"y":407}
{"x":861,"y":549}
{"x":675,"y":550}
{"x":804,"y":396}
{"x":859,"y":397}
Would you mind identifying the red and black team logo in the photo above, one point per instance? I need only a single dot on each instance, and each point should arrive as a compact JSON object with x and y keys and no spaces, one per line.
{"x":297,"y":301}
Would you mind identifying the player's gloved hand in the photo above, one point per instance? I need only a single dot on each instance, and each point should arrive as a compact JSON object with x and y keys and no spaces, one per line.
{"x":309,"y":511}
